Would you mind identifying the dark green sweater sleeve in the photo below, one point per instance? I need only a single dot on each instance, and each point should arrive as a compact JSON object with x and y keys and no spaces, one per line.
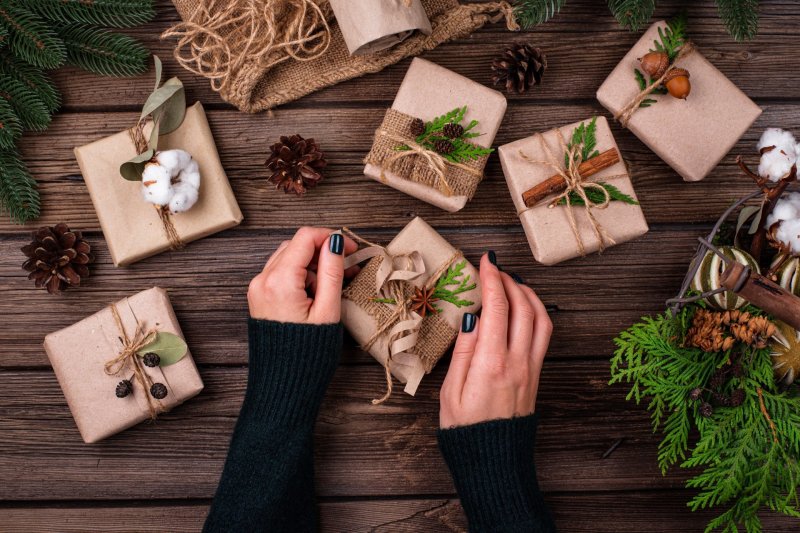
{"x":495,"y":475}
{"x":267,"y":483}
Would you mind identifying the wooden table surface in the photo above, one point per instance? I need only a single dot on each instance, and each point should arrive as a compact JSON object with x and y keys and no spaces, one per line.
{"x":378,"y":468}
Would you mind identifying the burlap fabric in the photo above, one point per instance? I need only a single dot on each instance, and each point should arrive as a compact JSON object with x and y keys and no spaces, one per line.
{"x":255,"y":87}
{"x":416,"y":168}
{"x":435,"y":335}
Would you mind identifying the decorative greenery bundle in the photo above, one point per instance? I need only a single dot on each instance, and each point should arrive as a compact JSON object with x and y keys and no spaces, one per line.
{"x":739,"y":16}
{"x":41,"y":35}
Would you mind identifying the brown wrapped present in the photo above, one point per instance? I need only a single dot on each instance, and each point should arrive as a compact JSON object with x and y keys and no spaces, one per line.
{"x":411,"y":296}
{"x":431,"y":166}
{"x":692,"y":135}
{"x":92,"y":357}
{"x":538,"y":181}
{"x":368,"y":26}
{"x":132,"y":227}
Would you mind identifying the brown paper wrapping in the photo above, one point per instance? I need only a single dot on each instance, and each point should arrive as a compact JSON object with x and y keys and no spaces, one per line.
{"x":429,"y":91}
{"x":79,"y":352}
{"x":132,"y":227}
{"x":369,"y":26}
{"x":548,"y":229}
{"x":693,"y":135}
{"x":419,"y":236}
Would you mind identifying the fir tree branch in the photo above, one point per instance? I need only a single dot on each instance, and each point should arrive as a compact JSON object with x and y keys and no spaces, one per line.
{"x":529,"y":13}
{"x":30,"y":37}
{"x":18,"y":195}
{"x":103,"y":52}
{"x":111,"y":13}
{"x":31,"y":76}
{"x":632,"y":14}
{"x":740,"y":18}
{"x":10,"y":125}
{"x":32,"y":112}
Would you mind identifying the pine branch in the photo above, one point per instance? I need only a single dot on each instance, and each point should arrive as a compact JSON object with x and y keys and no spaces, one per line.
{"x":30,"y":37}
{"x":632,"y":14}
{"x":529,"y":13}
{"x":111,"y":13}
{"x":18,"y":194}
{"x":103,"y":52}
{"x":10,"y":126}
{"x":26,"y":103}
{"x":740,"y":17}
{"x":31,"y":76}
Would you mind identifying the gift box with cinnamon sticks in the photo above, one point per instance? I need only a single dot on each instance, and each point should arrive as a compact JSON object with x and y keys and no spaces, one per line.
{"x":435,"y":140}
{"x":572,"y":191}
{"x":123,"y":365}
{"x":406,"y":304}
{"x":676,"y":102}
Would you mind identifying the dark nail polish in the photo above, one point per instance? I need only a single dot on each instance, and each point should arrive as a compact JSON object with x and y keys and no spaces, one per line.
{"x":516,"y":278}
{"x":492,"y":257}
{"x":468,"y":322}
{"x":337,"y":243}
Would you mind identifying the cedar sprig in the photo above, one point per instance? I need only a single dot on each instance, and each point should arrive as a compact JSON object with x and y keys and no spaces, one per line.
{"x":596,"y":197}
{"x":454,"y":277}
{"x":462,"y":149}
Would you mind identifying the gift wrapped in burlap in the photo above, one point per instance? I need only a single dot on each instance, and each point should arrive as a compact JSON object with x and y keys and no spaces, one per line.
{"x":429,"y":91}
{"x":693,"y":135}
{"x":80,"y":352}
{"x":133,"y":227}
{"x":551,"y":235}
{"x":259,"y":55}
{"x":368,"y":26}
{"x":364,"y":310}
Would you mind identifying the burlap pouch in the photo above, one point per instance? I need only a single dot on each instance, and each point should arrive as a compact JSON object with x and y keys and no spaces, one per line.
{"x":213,"y":42}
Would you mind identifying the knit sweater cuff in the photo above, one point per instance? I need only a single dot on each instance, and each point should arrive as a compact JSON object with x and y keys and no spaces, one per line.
{"x":495,"y":475}
{"x":291,"y":366}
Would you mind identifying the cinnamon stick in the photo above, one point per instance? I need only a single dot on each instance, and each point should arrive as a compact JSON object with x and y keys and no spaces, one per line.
{"x":556,"y":184}
{"x":763,"y":293}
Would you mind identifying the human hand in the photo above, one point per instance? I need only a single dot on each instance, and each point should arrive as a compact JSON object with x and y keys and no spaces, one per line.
{"x":302,"y":281}
{"x":494,"y":372}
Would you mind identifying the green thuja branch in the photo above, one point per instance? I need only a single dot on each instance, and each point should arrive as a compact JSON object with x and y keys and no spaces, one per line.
{"x":462,"y":150}
{"x":597,"y":197}
{"x":669,"y":41}
{"x":454,"y":277}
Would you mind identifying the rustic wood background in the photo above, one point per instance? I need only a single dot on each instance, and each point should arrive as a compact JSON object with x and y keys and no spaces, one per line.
{"x":378,"y":468}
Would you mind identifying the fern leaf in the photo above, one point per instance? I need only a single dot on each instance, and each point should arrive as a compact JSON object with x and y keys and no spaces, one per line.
{"x":529,"y":13}
{"x":30,"y":37}
{"x":31,"y":76}
{"x":632,"y":14}
{"x":18,"y":195}
{"x":103,"y":52}
{"x":26,"y":103}
{"x":740,"y":17}
{"x":10,"y":125}
{"x":111,"y":13}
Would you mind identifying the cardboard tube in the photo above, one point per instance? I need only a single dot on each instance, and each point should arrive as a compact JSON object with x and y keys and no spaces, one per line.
{"x":369,"y":26}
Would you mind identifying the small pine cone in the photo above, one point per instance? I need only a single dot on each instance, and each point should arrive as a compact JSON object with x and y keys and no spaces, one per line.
{"x":694,"y":395}
{"x":706,"y":410}
{"x":452,"y":130}
{"x":417,"y":127}
{"x":737,"y":370}
{"x":151,"y":359}
{"x":295,"y":164}
{"x":57,"y":258}
{"x":737,"y":397}
{"x":519,"y":68}
{"x":718,"y":379}
{"x":721,"y":399}
{"x":124,"y":388}
{"x":444,"y":147}
{"x":158,"y":391}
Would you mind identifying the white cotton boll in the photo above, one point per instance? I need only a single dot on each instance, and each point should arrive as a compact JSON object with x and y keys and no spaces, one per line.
{"x":184,"y":197}
{"x":174,"y":160}
{"x":782,"y":211}
{"x":156,"y":184}
{"x":190,"y":177}
{"x":776,"y":163}
{"x":781,"y":139}
{"x":788,"y":233}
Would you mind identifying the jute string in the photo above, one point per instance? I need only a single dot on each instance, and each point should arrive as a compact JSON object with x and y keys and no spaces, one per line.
{"x":394,"y":282}
{"x":575,"y":183}
{"x":222,"y":35}
{"x":140,"y":142}
{"x":127,"y":358}
{"x":624,"y":115}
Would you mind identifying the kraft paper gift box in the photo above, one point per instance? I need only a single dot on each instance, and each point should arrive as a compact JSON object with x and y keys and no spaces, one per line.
{"x":548,"y":229}
{"x":132,"y":227}
{"x":363,"y":313}
{"x":693,"y":135}
{"x":369,"y":26}
{"x":80,"y":352}
{"x":429,"y":91}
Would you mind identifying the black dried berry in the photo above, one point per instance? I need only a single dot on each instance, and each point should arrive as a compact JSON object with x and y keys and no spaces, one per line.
{"x":694,"y":395}
{"x":737,"y":397}
{"x":417,"y":127}
{"x":706,"y":410}
{"x":444,"y":147}
{"x":158,"y":391}
{"x":151,"y":359}
{"x":124,"y":388}
{"x":452,"y":130}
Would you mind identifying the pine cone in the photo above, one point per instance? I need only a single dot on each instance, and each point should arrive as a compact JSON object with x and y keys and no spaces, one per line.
{"x":695,"y":393}
{"x":158,"y":391}
{"x":519,"y":68}
{"x":151,"y":359}
{"x":417,"y":127}
{"x":452,"y":130}
{"x":124,"y":388}
{"x":57,"y":258}
{"x":295,"y":164}
{"x":737,"y":397}
{"x":706,"y":409}
{"x":444,"y":146}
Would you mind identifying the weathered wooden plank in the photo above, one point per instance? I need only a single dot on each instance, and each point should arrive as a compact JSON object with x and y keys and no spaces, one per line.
{"x":347,"y":197}
{"x":361,"y":450}
{"x":592,"y":298}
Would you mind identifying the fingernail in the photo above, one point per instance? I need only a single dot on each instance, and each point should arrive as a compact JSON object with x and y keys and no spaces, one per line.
{"x":468,"y":322}
{"x":337,"y":243}
{"x":492,"y":257}
{"x":516,"y":278}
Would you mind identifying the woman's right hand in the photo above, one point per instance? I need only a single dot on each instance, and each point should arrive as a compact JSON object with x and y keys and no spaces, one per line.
{"x":494,"y":372}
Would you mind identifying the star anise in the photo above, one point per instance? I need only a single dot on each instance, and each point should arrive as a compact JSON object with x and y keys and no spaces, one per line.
{"x":422,"y":302}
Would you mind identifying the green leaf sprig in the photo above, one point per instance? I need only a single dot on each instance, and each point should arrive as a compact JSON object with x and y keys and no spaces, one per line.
{"x":454,"y":276}
{"x":170,"y":348}
{"x":670,"y":41}
{"x":463,"y":150}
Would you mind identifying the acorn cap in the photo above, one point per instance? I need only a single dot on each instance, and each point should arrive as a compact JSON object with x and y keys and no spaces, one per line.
{"x":675,"y":73}
{"x":654,"y":64}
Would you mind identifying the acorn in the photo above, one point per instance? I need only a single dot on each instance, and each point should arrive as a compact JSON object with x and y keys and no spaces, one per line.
{"x":677,"y":83}
{"x":654,"y":64}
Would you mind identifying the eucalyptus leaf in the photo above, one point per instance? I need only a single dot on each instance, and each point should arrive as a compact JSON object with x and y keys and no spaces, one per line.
{"x":174,"y":109}
{"x":132,"y":170}
{"x":168,"y":346}
{"x":160,"y":97}
{"x":745,"y":214}
{"x":154,"y":133}
{"x":157,"y":61}
{"x":756,"y":221}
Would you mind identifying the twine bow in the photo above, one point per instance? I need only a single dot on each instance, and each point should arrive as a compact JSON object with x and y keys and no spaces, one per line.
{"x":624,"y":115}
{"x":128,"y":357}
{"x":394,"y":283}
{"x":577,"y":184}
{"x":222,"y":35}
{"x":432,"y":159}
